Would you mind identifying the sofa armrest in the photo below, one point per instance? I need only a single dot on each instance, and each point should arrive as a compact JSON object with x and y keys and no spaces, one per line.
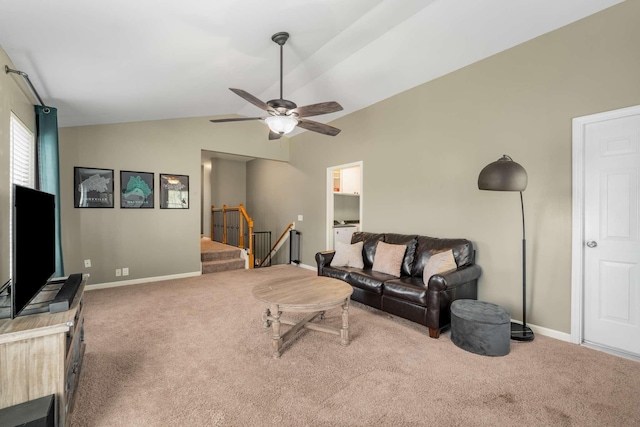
{"x":442,"y":282}
{"x":443,"y":289}
{"x":324,"y":258}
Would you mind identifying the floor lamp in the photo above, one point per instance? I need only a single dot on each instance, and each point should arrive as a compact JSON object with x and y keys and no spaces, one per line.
{"x":506,"y":175}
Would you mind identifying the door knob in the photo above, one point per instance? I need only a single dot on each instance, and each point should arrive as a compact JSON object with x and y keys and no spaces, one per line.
{"x":592,"y":243}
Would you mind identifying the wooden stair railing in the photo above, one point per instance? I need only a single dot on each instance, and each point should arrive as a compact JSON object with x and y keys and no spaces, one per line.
{"x":243,"y":219}
{"x":278,"y":244}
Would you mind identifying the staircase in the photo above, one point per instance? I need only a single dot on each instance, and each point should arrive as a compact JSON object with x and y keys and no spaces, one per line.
{"x":217,"y":257}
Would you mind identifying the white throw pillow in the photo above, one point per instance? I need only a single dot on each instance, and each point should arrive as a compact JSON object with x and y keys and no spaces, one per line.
{"x":442,"y":262}
{"x":388,"y":258}
{"x":348,"y":255}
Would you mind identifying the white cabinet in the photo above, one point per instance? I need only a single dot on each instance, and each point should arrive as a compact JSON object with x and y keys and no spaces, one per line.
{"x":343,"y":234}
{"x":347,"y":181}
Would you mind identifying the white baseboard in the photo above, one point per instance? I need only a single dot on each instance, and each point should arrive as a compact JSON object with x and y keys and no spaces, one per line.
{"x":139,"y":281}
{"x":305,"y":266}
{"x":552,"y":333}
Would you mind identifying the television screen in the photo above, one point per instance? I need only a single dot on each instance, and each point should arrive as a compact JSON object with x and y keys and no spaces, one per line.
{"x":34,"y":254}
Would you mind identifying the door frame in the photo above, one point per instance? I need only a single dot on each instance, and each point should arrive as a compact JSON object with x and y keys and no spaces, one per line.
{"x":577,"y":240}
{"x":329,"y":216}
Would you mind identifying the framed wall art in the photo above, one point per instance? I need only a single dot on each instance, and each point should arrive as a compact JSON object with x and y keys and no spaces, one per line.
{"x":136,"y":190}
{"x":174,"y":191}
{"x":93,"y":188}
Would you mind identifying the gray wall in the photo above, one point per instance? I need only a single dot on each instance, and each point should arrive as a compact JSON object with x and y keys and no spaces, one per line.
{"x":346,"y":207}
{"x":150,"y":242}
{"x":224,"y":183}
{"x":228,"y":183}
{"x":423,"y":150}
{"x":273,"y":189}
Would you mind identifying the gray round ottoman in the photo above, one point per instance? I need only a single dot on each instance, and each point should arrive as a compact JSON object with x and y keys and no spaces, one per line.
{"x":480,"y":327}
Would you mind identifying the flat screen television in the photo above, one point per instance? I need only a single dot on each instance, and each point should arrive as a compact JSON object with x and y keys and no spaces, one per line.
{"x":34,"y":253}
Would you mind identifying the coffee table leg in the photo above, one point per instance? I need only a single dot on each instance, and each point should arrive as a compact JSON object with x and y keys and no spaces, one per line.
{"x":275,"y":327}
{"x":265,"y":317}
{"x":344,"y":332}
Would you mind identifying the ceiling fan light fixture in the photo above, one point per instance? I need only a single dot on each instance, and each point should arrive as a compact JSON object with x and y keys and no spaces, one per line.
{"x":281,"y":124}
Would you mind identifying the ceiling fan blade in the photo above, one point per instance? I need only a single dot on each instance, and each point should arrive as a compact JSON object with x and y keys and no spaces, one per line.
{"x":318,"y":127}
{"x":317,"y":109}
{"x":252,"y":99}
{"x":274,"y":135}
{"x":236,"y":119}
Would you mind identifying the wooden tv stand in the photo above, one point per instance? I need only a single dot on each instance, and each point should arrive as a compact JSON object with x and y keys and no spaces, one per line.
{"x":41,"y":354}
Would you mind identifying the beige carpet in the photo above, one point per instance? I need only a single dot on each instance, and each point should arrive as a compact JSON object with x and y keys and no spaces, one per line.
{"x":194,"y":352}
{"x":208,"y":245}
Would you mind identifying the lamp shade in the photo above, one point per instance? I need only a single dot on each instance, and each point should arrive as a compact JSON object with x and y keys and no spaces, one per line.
{"x":503,"y":175}
{"x":281,"y":124}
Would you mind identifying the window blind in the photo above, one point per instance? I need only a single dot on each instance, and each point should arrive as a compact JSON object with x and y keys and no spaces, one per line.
{"x":22,"y":166}
{"x":22,"y":154}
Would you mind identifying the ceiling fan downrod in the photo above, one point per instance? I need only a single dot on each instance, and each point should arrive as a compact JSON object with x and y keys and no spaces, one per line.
{"x":281,"y":38}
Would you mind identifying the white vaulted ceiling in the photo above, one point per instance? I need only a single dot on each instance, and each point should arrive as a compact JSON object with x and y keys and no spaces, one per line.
{"x":133,"y":60}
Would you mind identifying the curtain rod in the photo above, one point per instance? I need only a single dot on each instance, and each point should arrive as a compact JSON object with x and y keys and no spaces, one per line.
{"x":8,"y":70}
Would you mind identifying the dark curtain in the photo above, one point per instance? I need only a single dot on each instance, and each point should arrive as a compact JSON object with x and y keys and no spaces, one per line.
{"x":49,"y":168}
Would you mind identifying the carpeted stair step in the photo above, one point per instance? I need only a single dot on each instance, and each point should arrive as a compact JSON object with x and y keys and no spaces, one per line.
{"x":220,"y":255}
{"x":219,"y":265}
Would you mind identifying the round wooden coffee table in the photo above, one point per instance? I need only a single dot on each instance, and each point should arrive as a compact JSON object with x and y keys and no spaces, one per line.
{"x":311,"y":295}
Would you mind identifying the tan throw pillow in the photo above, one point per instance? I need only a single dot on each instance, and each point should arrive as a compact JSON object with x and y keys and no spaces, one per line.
{"x":442,"y":262}
{"x":348,"y":255}
{"x":388,"y":258}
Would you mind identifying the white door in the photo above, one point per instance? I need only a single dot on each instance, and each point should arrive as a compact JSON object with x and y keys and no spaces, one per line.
{"x":611,"y":234}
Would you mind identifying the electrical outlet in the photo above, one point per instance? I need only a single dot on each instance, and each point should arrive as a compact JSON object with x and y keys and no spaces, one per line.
{"x":118,"y":272}
{"x":299,"y":217}
{"x":125,"y":271}
{"x":87,"y":263}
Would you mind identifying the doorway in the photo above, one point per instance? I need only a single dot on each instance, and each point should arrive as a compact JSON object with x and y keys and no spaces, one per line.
{"x":345,"y":182}
{"x":605,"y":308}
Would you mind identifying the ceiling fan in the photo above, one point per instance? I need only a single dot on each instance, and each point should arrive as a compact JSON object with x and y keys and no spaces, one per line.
{"x":285,"y":115}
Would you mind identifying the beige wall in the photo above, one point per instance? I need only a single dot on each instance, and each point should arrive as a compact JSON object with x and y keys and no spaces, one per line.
{"x":423,"y":151}
{"x":14,"y":97}
{"x":150,"y":242}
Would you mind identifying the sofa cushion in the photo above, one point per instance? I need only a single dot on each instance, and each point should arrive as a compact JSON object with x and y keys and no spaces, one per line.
{"x":442,"y":262}
{"x":411,"y":242}
{"x":407,"y":289}
{"x":388,"y":258}
{"x":348,"y":255}
{"x":370,"y":241}
{"x":368,"y":280}
{"x":427,"y":246}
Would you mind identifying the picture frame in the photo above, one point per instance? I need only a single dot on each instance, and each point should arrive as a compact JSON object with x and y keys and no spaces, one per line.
{"x":93,"y":187}
{"x":174,"y":191}
{"x":136,"y":190}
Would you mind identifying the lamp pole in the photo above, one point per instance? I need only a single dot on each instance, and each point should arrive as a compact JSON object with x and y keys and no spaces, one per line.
{"x":523,"y":333}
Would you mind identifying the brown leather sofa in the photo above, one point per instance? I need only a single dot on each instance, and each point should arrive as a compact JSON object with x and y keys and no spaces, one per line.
{"x":407,"y":296}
